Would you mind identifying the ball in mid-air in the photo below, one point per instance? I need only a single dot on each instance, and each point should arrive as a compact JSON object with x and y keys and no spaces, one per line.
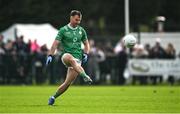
{"x":129,"y":41}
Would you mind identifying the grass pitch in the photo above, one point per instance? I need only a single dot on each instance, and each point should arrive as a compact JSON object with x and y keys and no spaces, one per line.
{"x":91,"y":99}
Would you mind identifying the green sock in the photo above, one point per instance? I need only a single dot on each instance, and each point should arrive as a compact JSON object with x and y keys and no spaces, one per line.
{"x":57,"y":94}
{"x":83,"y":74}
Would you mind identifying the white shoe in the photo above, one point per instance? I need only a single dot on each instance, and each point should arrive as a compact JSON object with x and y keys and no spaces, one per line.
{"x":87,"y":79}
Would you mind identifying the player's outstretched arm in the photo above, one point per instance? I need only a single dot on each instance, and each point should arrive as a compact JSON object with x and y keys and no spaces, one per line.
{"x":51,"y":52}
{"x":86,"y":47}
{"x":53,"y":47}
{"x":86,"y":51}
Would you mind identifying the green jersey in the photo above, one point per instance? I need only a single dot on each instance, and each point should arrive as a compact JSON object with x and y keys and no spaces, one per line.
{"x":71,"y":39}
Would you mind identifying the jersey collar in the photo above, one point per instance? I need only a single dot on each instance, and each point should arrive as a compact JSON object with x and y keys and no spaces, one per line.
{"x":72,"y":27}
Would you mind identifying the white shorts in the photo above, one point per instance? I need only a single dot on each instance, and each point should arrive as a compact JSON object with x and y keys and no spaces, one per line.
{"x":77,"y":60}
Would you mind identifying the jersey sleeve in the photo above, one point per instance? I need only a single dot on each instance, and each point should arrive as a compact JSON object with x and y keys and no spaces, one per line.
{"x":84,"y":37}
{"x":60,"y":34}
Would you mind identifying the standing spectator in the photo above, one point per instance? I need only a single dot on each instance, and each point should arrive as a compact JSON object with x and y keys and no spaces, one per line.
{"x":101,"y":59}
{"x":38,"y":62}
{"x":2,"y":54}
{"x":23,"y":58}
{"x":34,"y":46}
{"x":28,"y":46}
{"x":170,"y":54}
{"x":1,"y":41}
{"x":11,"y":61}
{"x":122,"y":62}
{"x":139,"y":52}
{"x":157,"y":50}
{"x":44,"y":49}
{"x":20,"y":45}
{"x":110,"y":61}
{"x":92,"y":66}
{"x":147,"y":47}
{"x":157,"y":53}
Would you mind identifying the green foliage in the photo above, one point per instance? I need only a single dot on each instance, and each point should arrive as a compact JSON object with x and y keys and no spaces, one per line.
{"x":56,"y":12}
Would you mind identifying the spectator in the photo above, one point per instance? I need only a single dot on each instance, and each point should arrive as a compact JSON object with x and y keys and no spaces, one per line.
{"x":147,"y":47}
{"x":108,"y":49}
{"x":9,"y":47}
{"x":170,"y":54}
{"x":122,"y":62}
{"x":140,"y":52}
{"x":28,"y":47}
{"x":93,"y":66}
{"x":159,"y":53}
{"x":20,"y":45}
{"x":44,"y":49}
{"x":34,"y":46}
{"x":38,"y":62}
{"x":1,"y":41}
{"x":101,"y":59}
{"x":157,"y":50}
{"x":110,"y":62}
{"x":11,"y":61}
{"x":2,"y":55}
{"x":1,"y":45}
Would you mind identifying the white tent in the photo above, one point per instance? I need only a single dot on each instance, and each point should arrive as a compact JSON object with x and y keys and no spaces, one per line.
{"x":44,"y":33}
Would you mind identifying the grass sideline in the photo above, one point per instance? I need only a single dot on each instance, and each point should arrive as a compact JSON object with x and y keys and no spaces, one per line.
{"x":91,"y":99}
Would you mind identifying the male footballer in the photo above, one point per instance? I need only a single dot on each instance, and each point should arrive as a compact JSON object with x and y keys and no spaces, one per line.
{"x":70,"y":38}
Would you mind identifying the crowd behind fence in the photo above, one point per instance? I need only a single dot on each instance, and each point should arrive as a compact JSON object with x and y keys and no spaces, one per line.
{"x":24,"y":63}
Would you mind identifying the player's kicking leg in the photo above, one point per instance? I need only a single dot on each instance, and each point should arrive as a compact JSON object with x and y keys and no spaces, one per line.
{"x":71,"y":76}
{"x":73,"y":70}
{"x":70,"y":61}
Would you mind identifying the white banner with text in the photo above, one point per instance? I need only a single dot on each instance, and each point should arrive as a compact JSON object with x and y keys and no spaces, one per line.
{"x":154,"y":67}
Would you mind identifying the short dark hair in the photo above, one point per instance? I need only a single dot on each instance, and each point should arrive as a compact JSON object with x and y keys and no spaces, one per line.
{"x":75,"y":12}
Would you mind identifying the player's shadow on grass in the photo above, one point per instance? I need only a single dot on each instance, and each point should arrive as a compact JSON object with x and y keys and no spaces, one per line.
{"x":38,"y":105}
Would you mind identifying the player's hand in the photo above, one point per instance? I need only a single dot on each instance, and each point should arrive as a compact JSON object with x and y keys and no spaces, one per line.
{"x":49,"y":59}
{"x":85,"y":58}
